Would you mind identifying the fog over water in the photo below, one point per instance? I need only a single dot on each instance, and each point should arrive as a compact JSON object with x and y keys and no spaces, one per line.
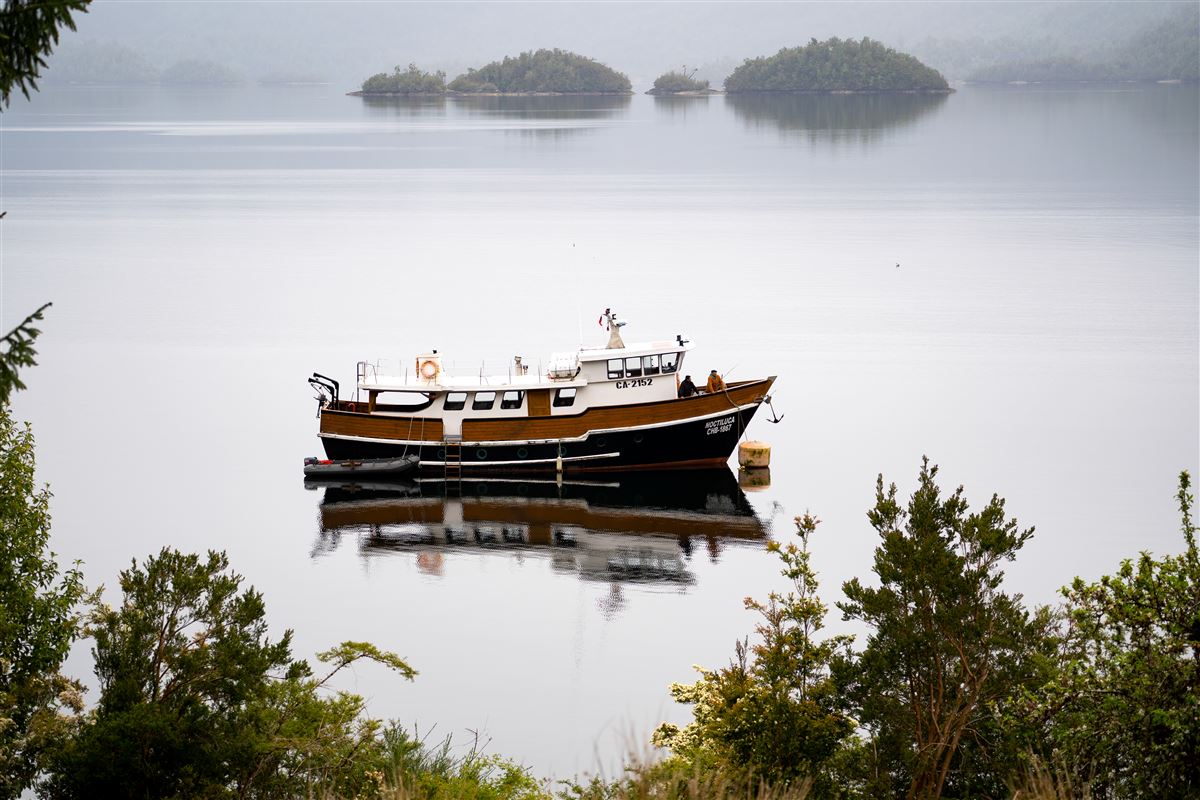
{"x":344,"y":42}
{"x":1005,"y":280}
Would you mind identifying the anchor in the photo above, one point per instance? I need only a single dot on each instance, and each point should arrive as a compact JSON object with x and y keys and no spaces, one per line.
{"x":775,"y":417}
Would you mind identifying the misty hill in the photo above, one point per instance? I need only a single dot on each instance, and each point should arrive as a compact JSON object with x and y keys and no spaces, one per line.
{"x":836,"y":65}
{"x":556,"y":71}
{"x":409,"y":81}
{"x":1169,"y":50}
{"x":199,"y":72}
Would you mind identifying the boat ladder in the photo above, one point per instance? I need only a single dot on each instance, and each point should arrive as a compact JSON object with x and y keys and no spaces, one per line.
{"x":453,"y":460}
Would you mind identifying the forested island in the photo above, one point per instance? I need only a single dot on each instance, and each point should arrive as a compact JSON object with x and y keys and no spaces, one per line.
{"x":532,"y":72}
{"x":410,"y":81}
{"x":836,"y":65}
{"x":543,"y":72}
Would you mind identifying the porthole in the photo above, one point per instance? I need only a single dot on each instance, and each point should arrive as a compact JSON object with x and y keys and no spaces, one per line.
{"x":481,"y":454}
{"x":522,"y":453}
{"x":441,"y":454}
{"x":638,"y":438}
{"x":562,"y":449}
{"x":601,"y":442}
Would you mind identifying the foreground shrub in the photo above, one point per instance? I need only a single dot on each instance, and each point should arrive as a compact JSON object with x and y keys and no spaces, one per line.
{"x":196,"y":700}
{"x":772,"y":715}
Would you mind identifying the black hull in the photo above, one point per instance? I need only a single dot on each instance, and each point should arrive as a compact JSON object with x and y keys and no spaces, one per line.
{"x":691,"y":443}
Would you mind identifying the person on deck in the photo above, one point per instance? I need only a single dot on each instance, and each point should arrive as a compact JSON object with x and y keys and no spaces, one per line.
{"x":715,"y":384}
{"x":687,"y":388}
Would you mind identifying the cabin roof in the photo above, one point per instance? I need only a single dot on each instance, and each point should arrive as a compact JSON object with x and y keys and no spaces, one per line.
{"x":635,"y":349}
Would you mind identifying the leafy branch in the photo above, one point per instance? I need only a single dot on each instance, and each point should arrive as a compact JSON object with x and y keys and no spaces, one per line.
{"x":28,"y":31}
{"x":18,"y":352}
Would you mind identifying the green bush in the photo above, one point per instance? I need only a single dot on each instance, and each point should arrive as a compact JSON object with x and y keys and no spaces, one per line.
{"x":672,"y":82}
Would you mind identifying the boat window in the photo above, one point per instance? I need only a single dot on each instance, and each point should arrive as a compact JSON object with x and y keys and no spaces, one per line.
{"x":616,"y":368}
{"x":633,"y":367}
{"x":650,"y":365}
{"x":483,"y":401}
{"x":455,"y":401}
{"x":670,"y":362}
{"x":564,"y":397}
{"x":511,"y":399}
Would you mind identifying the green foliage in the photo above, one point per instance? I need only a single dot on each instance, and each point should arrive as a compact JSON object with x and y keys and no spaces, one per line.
{"x":678,"y":81}
{"x":1124,"y":707}
{"x":29,"y":30}
{"x":947,"y":649}
{"x":543,"y":71}
{"x":836,"y":65}
{"x":670,"y":781}
{"x":196,"y":700}
{"x":410,"y":81}
{"x":773,"y":716}
{"x":18,"y":352}
{"x":416,"y":771}
{"x":37,"y":617}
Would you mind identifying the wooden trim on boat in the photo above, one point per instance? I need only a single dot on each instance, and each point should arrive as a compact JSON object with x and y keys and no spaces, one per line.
{"x":349,"y":423}
{"x":538,"y":401}
{"x":609,"y":417}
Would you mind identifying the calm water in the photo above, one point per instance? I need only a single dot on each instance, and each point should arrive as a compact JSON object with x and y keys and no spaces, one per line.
{"x":206,"y":251}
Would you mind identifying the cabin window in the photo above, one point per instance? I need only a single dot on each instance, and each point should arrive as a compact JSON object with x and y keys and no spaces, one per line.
{"x":564,"y":398}
{"x":511,"y":399}
{"x":616,"y":368}
{"x":670,"y":362}
{"x":650,"y":365}
{"x":455,"y":401}
{"x":483,"y":401}
{"x":633,"y":367}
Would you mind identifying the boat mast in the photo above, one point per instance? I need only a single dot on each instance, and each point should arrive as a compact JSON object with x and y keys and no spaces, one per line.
{"x":614,"y":330}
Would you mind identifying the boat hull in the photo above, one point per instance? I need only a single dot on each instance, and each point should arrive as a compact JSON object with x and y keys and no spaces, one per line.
{"x":688,"y":443}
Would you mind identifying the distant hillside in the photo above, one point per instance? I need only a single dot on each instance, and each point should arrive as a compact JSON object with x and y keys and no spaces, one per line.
{"x":550,"y":71}
{"x":198,"y":72}
{"x":836,"y":65}
{"x":1169,"y":50}
{"x":92,"y":62}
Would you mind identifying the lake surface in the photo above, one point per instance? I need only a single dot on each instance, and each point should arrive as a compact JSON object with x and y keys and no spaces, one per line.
{"x":1005,"y":280}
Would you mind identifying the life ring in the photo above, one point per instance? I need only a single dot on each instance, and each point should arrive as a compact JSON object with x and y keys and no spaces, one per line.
{"x":429,"y":369}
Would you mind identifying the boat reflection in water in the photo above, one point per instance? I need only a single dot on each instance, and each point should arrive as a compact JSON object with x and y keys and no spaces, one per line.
{"x":641,"y":528}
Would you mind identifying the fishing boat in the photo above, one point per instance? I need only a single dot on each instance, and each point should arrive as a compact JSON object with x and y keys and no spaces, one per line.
{"x":613,"y":408}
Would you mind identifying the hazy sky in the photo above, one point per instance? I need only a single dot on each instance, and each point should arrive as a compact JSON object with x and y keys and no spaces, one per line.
{"x":345,"y":41}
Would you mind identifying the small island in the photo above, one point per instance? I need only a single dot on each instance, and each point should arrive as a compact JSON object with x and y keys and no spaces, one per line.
{"x":836,"y":66}
{"x":412,"y":81}
{"x":542,"y":72}
{"x":681,"y":82}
